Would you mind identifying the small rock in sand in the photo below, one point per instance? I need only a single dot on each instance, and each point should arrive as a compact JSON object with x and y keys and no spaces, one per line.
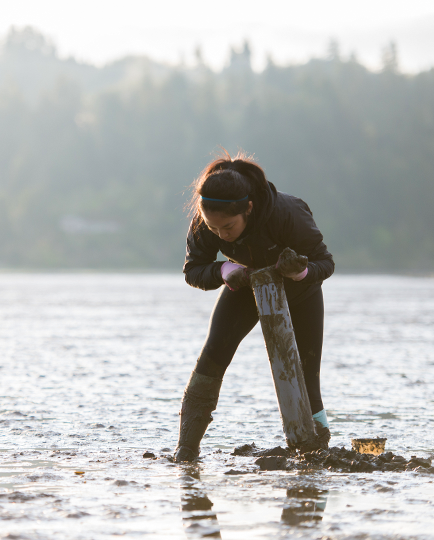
{"x":272,"y":463}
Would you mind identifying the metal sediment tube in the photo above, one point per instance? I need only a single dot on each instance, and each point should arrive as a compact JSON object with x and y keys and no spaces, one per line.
{"x":282,"y":351}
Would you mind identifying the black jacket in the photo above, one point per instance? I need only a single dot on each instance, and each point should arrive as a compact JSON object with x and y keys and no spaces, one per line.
{"x":278,"y":220}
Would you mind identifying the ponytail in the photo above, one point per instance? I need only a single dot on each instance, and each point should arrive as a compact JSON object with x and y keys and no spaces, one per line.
{"x":227,"y":185}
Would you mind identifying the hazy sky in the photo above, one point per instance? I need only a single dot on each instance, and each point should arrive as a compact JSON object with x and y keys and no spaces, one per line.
{"x":291,"y":31}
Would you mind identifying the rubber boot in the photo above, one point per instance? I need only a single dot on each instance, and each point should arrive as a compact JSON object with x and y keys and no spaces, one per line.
{"x":319,"y":442}
{"x":323,"y":435}
{"x":199,"y":400}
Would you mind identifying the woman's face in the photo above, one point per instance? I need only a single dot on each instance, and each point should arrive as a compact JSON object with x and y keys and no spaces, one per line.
{"x":228,"y":228}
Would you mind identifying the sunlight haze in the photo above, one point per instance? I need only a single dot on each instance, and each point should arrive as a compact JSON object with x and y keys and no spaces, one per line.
{"x":169,"y":31}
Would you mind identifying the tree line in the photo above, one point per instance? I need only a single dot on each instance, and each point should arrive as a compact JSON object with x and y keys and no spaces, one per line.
{"x":95,"y":162}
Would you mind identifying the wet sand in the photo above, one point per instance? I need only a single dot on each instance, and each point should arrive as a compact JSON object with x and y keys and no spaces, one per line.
{"x":92,"y":372}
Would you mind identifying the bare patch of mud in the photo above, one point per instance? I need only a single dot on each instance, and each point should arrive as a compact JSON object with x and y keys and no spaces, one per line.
{"x":333,"y":459}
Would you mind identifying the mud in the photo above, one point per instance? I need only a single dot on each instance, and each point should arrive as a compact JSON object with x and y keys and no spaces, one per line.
{"x":92,"y":372}
{"x":333,"y":459}
{"x":252,"y":450}
{"x":351,"y":461}
{"x":272,"y":463}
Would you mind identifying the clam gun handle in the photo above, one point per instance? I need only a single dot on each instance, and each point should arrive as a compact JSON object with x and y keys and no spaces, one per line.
{"x":276,"y":324}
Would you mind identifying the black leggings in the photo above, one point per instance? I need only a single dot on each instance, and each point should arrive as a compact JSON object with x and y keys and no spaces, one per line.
{"x":234,"y":316}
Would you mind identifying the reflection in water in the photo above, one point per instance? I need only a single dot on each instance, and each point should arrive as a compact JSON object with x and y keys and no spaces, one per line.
{"x":306,"y":504}
{"x":199,"y":520}
{"x":72,"y":334}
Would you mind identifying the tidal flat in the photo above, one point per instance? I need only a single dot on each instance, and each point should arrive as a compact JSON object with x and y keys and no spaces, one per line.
{"x":92,"y":370}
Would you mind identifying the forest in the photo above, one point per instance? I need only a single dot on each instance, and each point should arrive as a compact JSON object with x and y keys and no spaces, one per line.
{"x":96,"y":162}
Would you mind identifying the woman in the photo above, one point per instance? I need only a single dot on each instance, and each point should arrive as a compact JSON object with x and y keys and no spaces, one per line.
{"x":238,"y":212}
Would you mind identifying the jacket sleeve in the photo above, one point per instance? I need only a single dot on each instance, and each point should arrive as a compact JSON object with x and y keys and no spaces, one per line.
{"x":300,"y":232}
{"x":201,"y":268}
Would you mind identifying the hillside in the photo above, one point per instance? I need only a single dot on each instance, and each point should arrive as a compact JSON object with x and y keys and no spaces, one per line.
{"x":94,"y":162}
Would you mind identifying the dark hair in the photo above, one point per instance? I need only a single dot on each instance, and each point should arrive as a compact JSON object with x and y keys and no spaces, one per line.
{"x":230,"y":179}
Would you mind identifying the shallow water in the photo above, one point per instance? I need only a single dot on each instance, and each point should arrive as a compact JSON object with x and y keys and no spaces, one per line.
{"x":92,"y":372}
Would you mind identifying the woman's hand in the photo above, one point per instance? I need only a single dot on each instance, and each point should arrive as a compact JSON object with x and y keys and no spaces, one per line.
{"x":292,"y":265}
{"x":235,"y":275}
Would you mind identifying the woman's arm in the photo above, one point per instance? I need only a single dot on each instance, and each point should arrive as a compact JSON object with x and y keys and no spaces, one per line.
{"x":299,"y":231}
{"x":201,"y":268}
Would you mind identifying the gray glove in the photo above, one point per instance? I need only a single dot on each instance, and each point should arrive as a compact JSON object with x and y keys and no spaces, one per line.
{"x":292,"y":265}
